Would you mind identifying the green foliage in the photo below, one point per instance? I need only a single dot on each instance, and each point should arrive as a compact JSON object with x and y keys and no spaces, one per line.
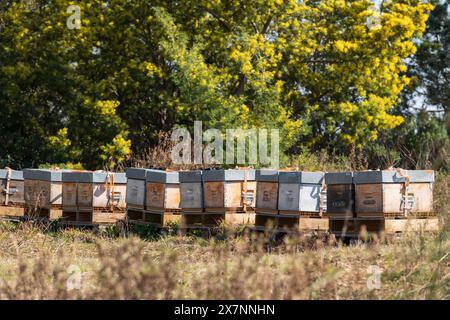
{"x":327,"y":73}
{"x":147,"y":232}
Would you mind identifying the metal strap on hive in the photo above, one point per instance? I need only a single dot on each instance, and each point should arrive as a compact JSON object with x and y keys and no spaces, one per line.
{"x":110,"y":189}
{"x":322,"y":192}
{"x":244,"y":202}
{"x":407,"y":202}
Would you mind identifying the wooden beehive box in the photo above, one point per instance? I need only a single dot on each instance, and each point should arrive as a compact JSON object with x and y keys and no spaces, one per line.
{"x":11,"y":193}
{"x":266,"y":191}
{"x":228,"y":190}
{"x":12,"y":188}
{"x":191,"y":191}
{"x":43,"y":192}
{"x":393,"y":193}
{"x":163,"y":191}
{"x":340,"y":195}
{"x":300,"y":192}
{"x":94,"y":190}
{"x":136,"y":187}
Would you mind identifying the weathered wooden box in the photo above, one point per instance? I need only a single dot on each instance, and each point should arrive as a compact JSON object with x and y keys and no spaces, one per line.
{"x":191,"y":191}
{"x":43,"y":193}
{"x":163,"y":191}
{"x":94,"y":190}
{"x":340,"y":195}
{"x":93,"y":197}
{"x":266,"y":191}
{"x":228,"y":190}
{"x":12,"y":188}
{"x":393,"y":193}
{"x":299,"y":192}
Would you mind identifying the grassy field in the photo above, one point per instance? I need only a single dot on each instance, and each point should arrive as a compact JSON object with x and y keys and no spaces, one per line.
{"x":39,"y":264}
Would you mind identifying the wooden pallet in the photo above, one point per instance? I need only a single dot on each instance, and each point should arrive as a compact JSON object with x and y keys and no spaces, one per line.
{"x":94,"y":217}
{"x":203,"y":220}
{"x":11,"y":211}
{"x":214,"y":219}
{"x":396,"y":215}
{"x":277,"y":221}
{"x":301,"y":213}
{"x":340,"y":215}
{"x":53,"y":213}
{"x":314,"y":224}
{"x":354,"y":227}
{"x":135,"y":215}
{"x":229,"y":210}
{"x":292,"y":222}
{"x":160,"y":219}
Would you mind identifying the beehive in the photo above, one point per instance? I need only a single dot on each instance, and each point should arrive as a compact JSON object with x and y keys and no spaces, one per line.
{"x":191,"y":191}
{"x":340,"y":195}
{"x":393,"y":193}
{"x":192,"y":203}
{"x":229,"y":190}
{"x":136,"y":191}
{"x":162,"y":197}
{"x":12,"y":193}
{"x":163,"y":191}
{"x":136,"y":187}
{"x":93,"y":197}
{"x":300,"y":193}
{"x":266,"y":191}
{"x":43,"y":193}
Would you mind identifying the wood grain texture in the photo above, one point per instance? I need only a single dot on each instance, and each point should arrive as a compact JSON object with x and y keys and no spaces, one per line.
{"x":368,"y":198}
{"x":267,"y":195}
{"x":19,"y":189}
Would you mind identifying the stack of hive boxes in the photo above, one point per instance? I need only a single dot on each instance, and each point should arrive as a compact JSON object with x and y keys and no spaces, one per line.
{"x":387,"y":201}
{"x":290,"y":200}
{"x":43,"y":193}
{"x":162,"y":204}
{"x":11,"y":194}
{"x":229,"y":195}
{"x":93,"y":197}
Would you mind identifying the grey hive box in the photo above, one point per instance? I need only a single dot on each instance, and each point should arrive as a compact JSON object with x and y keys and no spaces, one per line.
{"x":340,"y":195}
{"x":12,"y":188}
{"x":393,"y":193}
{"x":300,"y":191}
{"x":228,"y":190}
{"x":43,"y":188}
{"x":191,"y":190}
{"x":266,"y":191}
{"x":136,"y":184}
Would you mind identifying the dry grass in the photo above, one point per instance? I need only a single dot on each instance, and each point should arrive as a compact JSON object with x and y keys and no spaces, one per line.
{"x":36,"y":265}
